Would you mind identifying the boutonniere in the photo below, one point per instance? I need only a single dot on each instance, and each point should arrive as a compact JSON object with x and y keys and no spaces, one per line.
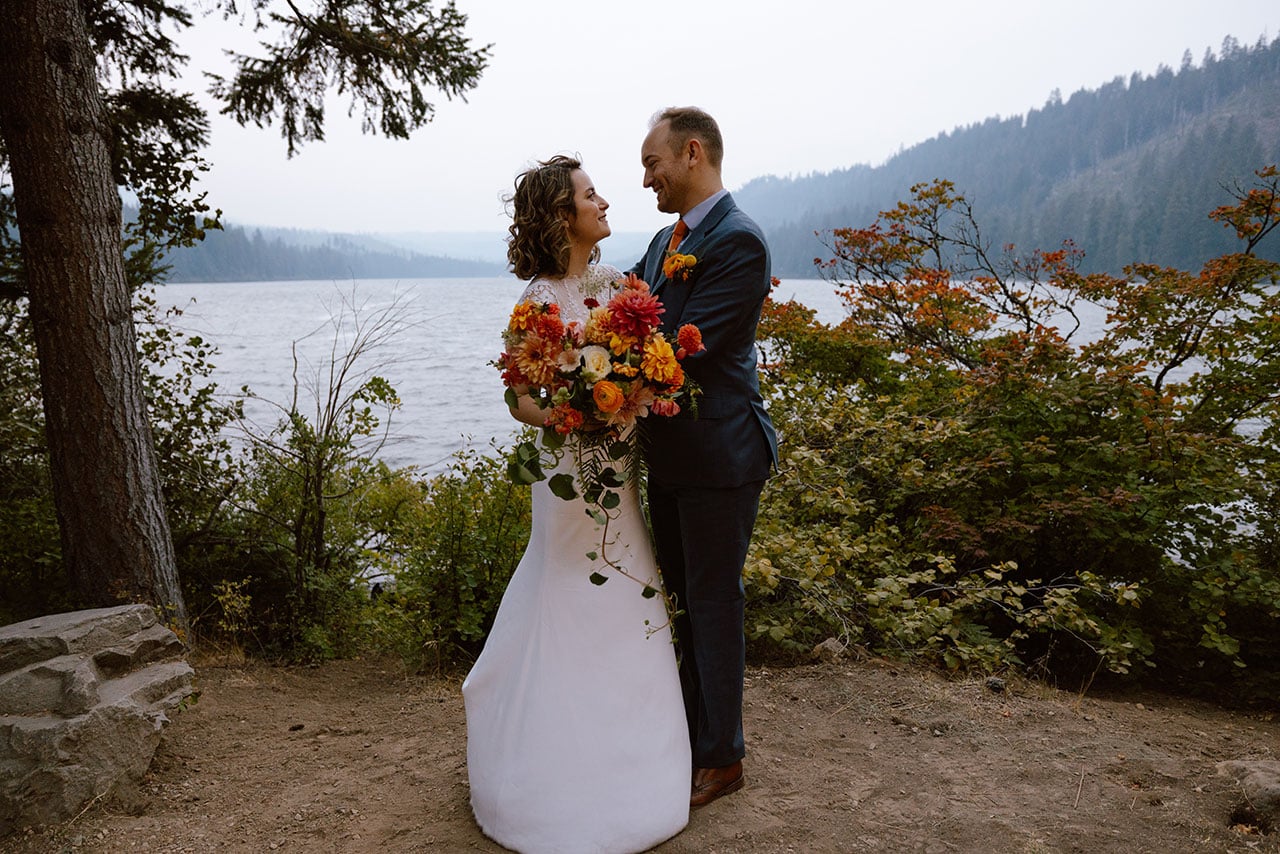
{"x":678,"y":266}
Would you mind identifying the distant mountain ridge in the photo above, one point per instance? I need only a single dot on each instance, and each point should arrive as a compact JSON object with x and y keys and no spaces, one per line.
{"x":247,"y":254}
{"x":262,"y":253}
{"x":1129,"y":171}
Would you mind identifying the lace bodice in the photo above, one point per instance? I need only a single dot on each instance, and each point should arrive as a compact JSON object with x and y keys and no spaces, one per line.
{"x":599,"y":283}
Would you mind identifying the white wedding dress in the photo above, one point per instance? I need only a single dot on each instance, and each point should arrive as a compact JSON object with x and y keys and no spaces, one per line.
{"x":576,"y":732}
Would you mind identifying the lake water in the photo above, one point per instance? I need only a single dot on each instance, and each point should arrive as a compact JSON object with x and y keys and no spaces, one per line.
{"x":438,"y":361}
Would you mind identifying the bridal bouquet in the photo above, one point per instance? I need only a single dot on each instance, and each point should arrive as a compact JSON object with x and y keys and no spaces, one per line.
{"x":595,"y":380}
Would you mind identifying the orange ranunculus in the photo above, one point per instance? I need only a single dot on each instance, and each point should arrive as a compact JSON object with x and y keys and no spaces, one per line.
{"x":608,"y":397}
{"x":659,"y":361}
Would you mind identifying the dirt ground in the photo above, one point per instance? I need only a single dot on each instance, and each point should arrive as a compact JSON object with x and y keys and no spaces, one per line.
{"x":357,"y":756}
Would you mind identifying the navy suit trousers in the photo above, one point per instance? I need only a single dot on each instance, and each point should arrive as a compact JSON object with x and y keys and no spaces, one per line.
{"x":701,"y":536}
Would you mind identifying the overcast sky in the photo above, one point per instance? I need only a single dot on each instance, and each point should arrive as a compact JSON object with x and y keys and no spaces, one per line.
{"x":797,"y":86}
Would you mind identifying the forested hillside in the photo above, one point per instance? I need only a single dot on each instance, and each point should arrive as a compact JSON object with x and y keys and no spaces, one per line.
{"x":1128,"y":170}
{"x":239,"y":255}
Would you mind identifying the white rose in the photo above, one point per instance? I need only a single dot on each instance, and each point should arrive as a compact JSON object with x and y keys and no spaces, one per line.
{"x":595,"y":363}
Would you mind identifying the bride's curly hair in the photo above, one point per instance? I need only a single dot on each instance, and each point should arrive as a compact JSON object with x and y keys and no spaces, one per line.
{"x":541,"y":206}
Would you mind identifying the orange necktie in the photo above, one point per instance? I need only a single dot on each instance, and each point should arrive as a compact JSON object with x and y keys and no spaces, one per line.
{"x":677,"y":235}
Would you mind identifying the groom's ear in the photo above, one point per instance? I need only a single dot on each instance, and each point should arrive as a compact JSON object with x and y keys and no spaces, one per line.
{"x":694,"y":151}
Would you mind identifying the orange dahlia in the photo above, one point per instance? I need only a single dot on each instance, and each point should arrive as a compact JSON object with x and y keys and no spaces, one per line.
{"x":634,"y":311}
{"x":511,"y":374}
{"x":619,"y":344}
{"x":689,"y":339}
{"x":523,"y":315}
{"x":549,"y":326}
{"x":597,"y":331}
{"x":537,"y":359}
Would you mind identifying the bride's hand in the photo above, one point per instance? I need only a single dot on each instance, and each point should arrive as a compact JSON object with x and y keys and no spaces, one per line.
{"x":528,"y":412}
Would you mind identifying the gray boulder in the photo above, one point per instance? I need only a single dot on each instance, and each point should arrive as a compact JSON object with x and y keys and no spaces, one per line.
{"x":84,"y":697}
{"x":1259,"y":782}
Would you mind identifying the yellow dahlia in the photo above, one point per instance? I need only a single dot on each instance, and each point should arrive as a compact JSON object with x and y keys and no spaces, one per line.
{"x":659,"y":362}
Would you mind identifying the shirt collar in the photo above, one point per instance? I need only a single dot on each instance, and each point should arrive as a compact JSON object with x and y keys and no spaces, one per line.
{"x":699,"y":212}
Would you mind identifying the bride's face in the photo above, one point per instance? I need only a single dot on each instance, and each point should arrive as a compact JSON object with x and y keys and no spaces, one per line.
{"x":588,"y":223}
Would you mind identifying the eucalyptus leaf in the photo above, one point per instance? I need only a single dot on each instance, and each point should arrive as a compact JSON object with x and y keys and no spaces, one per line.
{"x":598,"y":579}
{"x":648,"y":592}
{"x":562,"y":486}
{"x":610,"y":500}
{"x":525,"y":474}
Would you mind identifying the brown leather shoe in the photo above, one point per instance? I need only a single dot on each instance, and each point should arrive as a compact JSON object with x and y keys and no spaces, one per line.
{"x":712,"y":783}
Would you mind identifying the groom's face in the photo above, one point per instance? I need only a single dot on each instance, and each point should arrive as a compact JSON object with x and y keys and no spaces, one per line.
{"x":665,"y":170}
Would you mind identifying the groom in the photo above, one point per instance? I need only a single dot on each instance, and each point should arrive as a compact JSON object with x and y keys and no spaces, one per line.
{"x":706,"y":472}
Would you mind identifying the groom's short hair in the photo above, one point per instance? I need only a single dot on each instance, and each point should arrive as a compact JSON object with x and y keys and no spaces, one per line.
{"x":690,"y":122}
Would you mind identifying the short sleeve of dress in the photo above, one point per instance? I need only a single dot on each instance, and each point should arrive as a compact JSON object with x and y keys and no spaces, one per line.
{"x":540,"y":291}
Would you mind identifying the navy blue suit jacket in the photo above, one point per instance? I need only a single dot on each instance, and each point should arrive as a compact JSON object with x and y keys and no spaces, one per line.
{"x":731,"y":441}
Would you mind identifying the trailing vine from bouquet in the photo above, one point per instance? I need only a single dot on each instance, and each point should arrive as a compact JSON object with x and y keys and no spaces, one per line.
{"x":605,"y":463}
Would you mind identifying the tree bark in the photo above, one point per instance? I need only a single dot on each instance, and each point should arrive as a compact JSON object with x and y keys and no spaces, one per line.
{"x":116,"y":542}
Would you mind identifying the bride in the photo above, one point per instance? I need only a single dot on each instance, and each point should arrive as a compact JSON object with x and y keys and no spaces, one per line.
{"x":576,"y":732}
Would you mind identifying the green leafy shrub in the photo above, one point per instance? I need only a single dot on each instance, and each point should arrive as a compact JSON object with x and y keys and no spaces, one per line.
{"x":31,"y":575}
{"x":842,"y":548}
{"x":456,"y":548}
{"x":975,"y":486}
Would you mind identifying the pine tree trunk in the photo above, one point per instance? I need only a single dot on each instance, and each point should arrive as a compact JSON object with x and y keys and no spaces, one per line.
{"x":115,"y":536}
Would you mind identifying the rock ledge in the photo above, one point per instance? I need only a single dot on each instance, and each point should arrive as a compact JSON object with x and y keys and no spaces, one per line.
{"x":84,"y":697}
